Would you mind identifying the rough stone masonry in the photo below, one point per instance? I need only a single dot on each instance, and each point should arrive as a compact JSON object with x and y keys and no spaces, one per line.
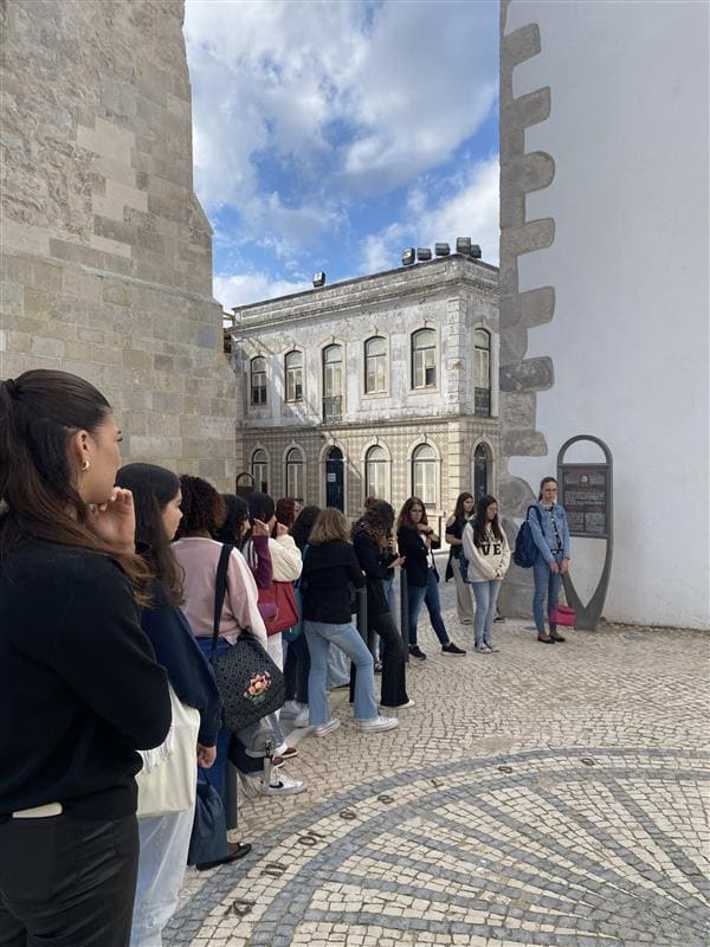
{"x":106,"y":252}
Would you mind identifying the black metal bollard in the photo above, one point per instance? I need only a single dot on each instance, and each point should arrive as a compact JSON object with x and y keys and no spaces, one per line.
{"x":404,"y":611}
{"x":232,"y":793}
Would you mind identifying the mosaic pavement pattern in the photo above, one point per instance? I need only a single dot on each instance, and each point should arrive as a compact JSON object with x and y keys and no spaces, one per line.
{"x":543,"y":795}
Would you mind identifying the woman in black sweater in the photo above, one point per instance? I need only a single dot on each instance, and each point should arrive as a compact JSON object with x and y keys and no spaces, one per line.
{"x":330,"y":570}
{"x":416,"y":540}
{"x":370,"y":537}
{"x":80,"y":689}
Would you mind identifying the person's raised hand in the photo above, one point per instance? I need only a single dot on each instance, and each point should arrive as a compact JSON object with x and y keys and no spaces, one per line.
{"x":114,"y":521}
{"x":259,"y":528}
{"x":206,"y":755}
{"x":398,"y":563}
{"x":281,"y":530}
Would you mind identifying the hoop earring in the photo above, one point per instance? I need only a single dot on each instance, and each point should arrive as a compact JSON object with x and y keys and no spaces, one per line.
{"x":85,"y":466}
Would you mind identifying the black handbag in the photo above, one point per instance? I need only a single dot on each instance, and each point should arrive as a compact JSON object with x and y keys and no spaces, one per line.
{"x":208,"y":842}
{"x":249,"y":682}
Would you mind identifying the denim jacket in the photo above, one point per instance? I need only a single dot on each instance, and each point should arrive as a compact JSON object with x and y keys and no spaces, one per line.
{"x":545,"y":539}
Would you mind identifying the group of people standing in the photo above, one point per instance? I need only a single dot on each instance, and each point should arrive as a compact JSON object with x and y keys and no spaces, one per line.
{"x":111,"y":611}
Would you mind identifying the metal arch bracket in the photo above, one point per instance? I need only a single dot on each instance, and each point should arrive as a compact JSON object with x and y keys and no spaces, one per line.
{"x":589,"y":505}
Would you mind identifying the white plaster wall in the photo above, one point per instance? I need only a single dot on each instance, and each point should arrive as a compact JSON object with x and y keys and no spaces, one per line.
{"x":628,"y":132}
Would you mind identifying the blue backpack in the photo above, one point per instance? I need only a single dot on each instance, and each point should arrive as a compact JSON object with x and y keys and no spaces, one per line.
{"x":526,"y":551}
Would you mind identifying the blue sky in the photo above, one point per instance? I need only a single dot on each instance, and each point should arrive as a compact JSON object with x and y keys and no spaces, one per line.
{"x":332,"y":135}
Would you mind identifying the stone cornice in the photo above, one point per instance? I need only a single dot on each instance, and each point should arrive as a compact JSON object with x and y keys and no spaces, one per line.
{"x":340,"y":299}
{"x":423,"y":423}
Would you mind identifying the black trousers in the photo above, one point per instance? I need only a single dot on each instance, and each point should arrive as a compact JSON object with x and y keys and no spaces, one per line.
{"x":296,"y":669}
{"x":67,"y":882}
{"x":394,"y":660}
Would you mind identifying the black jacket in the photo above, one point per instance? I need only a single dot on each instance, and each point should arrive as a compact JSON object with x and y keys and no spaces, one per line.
{"x":329,"y":571}
{"x":80,"y":689}
{"x":376,"y":565}
{"x":189,"y":672}
{"x":411,"y":544}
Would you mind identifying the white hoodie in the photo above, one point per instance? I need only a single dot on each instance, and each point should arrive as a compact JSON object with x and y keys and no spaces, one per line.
{"x":488,"y":561}
{"x":286,"y":562}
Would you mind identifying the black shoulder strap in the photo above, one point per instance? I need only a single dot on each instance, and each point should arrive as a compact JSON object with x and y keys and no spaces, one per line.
{"x":220,"y":591}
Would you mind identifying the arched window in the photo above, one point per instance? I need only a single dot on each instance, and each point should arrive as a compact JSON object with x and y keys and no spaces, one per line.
{"x":295,"y":474}
{"x":260,"y":470}
{"x":424,"y":359}
{"x":425,"y":474}
{"x":258,"y":380}
{"x":482,"y":372}
{"x":333,"y":383}
{"x":482,"y":462}
{"x":293,"y":364}
{"x":376,"y":473}
{"x":375,"y":365}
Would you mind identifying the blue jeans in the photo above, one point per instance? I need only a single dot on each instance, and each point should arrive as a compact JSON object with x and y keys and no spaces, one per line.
{"x":320,"y":636}
{"x":218,"y":772}
{"x":486,"y":595}
{"x":547,"y":584}
{"x":426,"y":595}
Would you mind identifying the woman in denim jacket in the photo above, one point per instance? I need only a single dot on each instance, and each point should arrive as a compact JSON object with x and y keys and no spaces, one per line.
{"x":552,"y":541}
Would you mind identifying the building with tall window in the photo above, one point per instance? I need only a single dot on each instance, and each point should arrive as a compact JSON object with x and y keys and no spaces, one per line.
{"x":384,"y":386}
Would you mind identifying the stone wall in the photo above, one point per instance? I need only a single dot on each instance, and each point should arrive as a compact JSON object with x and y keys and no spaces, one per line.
{"x":106,"y":252}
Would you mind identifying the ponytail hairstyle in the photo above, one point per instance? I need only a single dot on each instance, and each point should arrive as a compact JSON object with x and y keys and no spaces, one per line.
{"x":39,"y":413}
{"x":480,"y":524}
{"x":545,"y":480}
{"x":153,"y":488}
{"x":459,"y":514}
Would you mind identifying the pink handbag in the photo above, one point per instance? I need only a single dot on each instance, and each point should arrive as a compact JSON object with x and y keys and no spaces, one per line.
{"x":563,"y":615}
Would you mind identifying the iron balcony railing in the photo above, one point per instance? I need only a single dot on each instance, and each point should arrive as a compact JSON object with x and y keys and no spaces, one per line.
{"x":333,"y":409}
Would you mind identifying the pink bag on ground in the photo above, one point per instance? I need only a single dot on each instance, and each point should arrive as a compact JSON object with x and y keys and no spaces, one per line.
{"x":563,"y":615}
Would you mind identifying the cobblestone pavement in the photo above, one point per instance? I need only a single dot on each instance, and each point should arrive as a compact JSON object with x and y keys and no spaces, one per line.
{"x":542,"y":795}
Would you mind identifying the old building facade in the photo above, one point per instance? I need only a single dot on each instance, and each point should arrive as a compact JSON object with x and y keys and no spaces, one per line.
{"x":106,"y":253}
{"x":384,"y":385}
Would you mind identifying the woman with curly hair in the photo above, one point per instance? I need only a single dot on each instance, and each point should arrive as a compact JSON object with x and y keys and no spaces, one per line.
{"x":416,"y":541}
{"x":370,"y":540}
{"x":198,"y":553}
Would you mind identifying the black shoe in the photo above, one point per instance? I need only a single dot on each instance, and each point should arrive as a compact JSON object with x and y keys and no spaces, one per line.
{"x":556,"y":637}
{"x":546,"y":639}
{"x":416,"y":652}
{"x":451,"y":648}
{"x":237,"y":850}
{"x":499,"y":618}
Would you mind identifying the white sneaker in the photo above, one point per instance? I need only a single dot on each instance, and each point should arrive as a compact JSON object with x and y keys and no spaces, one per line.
{"x":323,"y":729}
{"x":410,"y":703}
{"x":378,"y":724}
{"x":291,"y":708}
{"x":301,"y":720}
{"x":283,"y":785}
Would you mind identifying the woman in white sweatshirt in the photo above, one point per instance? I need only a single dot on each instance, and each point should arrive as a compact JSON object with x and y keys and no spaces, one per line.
{"x":486,"y":547}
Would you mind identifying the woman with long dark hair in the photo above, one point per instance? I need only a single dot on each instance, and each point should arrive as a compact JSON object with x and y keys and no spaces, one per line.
{"x":486,"y":548}
{"x":463,"y":512}
{"x":165,"y":839}
{"x":550,"y":530}
{"x":78,"y":675}
{"x":416,"y":541}
{"x":297,"y":664}
{"x":370,"y":540}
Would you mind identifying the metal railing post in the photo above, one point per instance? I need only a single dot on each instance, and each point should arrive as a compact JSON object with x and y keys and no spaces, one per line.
{"x":231,"y":812}
{"x":361,"y":621}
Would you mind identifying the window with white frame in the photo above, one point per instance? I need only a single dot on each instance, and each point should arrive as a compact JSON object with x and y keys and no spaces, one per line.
{"x":482,"y":372}
{"x":333,"y":383}
{"x":375,"y":365}
{"x":425,"y":474}
{"x":260,"y":470}
{"x":376,"y":473}
{"x":424,"y":359}
{"x":293,"y":365}
{"x":258,"y":380}
{"x":295,"y":474}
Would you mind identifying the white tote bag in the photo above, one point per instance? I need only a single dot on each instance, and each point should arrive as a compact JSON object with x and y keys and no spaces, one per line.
{"x":167,"y":781}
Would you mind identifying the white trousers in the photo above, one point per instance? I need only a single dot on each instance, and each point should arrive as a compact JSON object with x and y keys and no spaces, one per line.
{"x":164,"y":842}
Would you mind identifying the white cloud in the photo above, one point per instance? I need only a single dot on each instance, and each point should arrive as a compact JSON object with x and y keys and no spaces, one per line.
{"x":470,"y":211}
{"x":245,"y":288}
{"x":342,"y":98}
